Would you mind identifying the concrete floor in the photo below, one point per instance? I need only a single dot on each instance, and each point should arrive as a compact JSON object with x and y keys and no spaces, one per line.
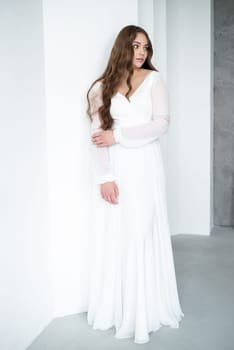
{"x":205,"y":277}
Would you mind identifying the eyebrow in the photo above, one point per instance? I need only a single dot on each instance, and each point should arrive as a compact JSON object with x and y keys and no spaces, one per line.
{"x":134,"y":41}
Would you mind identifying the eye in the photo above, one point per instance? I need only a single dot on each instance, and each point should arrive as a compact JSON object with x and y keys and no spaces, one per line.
{"x":146,"y":48}
{"x":135,"y":46}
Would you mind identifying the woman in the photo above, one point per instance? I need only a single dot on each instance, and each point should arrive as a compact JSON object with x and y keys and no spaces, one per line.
{"x":132,"y":277}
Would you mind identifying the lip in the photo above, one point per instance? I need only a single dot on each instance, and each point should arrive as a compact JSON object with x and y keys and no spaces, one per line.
{"x":140,"y":59}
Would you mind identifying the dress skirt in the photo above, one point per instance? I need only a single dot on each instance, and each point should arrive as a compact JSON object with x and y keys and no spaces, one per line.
{"x":132,"y":283}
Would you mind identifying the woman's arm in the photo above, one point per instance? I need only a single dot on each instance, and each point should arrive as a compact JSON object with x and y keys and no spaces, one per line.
{"x":100,"y":157}
{"x":136,"y":136}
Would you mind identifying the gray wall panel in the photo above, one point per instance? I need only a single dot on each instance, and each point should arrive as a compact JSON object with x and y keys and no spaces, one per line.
{"x":224,"y":112}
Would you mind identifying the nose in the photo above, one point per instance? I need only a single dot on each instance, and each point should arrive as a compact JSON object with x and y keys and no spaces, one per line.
{"x":142,"y":52}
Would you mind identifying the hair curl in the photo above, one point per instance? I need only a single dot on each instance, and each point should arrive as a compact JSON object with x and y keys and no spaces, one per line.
{"x":120,"y":63}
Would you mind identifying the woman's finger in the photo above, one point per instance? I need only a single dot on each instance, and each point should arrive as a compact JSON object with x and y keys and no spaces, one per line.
{"x":117,"y":190}
{"x":96,"y":134}
{"x":115,"y":194}
{"x":109,"y":198}
{"x":112,"y":198}
{"x":97,"y":141}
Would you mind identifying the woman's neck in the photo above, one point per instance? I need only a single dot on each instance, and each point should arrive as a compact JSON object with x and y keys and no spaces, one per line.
{"x":136,"y":71}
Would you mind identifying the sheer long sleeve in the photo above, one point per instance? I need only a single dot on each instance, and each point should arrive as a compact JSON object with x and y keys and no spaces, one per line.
{"x":138,"y":135}
{"x":100,"y":157}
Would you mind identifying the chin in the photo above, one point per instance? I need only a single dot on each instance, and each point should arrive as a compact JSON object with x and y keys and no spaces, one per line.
{"x":138,"y":65}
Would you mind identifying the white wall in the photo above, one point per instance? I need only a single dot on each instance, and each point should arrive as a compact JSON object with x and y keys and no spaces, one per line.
{"x":24,"y":257}
{"x":189,"y":58}
{"x":146,"y":18}
{"x":78,"y":38}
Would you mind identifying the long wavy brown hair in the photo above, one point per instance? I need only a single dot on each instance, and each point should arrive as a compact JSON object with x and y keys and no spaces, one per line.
{"x":120,"y":63}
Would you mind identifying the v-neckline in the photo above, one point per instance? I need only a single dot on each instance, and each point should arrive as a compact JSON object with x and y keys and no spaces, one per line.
{"x":139,"y":86}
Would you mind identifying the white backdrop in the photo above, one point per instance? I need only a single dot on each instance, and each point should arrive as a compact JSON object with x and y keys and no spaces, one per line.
{"x":25,"y":293}
{"x":190,"y":144}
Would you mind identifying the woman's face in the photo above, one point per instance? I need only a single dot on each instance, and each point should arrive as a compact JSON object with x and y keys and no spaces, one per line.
{"x":140,"y":46}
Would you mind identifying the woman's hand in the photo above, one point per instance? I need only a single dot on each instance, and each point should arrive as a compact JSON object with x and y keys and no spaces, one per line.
{"x":110,"y":192}
{"x":103,"y":138}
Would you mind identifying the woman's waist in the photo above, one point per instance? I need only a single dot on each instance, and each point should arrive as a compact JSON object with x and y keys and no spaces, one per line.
{"x":117,"y":149}
{"x":128,"y":122}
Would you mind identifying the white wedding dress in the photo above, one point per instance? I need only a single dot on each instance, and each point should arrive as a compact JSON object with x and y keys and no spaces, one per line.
{"x":132,"y":282}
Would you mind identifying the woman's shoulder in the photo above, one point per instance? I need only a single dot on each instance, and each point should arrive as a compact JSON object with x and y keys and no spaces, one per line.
{"x":98,"y":82}
{"x":95,"y":89}
{"x":153,"y":74}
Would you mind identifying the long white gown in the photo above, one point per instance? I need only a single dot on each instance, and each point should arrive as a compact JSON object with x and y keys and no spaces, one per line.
{"x":132,"y":282}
